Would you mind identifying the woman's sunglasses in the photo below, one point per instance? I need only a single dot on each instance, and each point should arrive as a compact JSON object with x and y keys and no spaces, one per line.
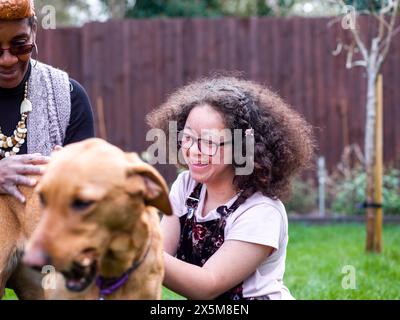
{"x":19,"y":50}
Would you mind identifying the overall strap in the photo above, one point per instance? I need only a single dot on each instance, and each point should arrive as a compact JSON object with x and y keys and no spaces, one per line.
{"x":192,"y":202}
{"x":224,"y":211}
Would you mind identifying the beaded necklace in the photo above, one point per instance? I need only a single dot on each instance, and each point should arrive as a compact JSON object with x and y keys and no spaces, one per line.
{"x":10,"y":146}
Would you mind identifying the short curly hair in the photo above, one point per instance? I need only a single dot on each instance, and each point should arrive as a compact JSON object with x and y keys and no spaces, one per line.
{"x":284,"y":141}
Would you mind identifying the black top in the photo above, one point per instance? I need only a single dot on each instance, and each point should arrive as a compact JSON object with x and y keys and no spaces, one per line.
{"x":81,"y":120}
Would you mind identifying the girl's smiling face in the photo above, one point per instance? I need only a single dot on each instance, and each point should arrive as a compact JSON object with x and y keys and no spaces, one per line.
{"x":214,"y":161}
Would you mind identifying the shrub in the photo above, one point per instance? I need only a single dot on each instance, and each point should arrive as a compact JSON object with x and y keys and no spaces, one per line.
{"x":348,"y":193}
{"x":304,"y":197}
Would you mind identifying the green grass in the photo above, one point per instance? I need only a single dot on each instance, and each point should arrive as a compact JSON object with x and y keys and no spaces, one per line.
{"x":317,"y":254}
{"x":316,"y":257}
{"x":170,"y":295}
{"x":166,"y":295}
{"x":9,"y":295}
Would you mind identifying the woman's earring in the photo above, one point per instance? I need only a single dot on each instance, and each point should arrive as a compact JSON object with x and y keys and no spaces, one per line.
{"x":37,"y":55}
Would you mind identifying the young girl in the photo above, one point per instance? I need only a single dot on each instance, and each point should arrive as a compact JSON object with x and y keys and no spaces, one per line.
{"x":227,"y":238}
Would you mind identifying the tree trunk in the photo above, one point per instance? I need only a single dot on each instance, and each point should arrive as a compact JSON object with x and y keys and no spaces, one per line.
{"x":370,"y":154}
{"x":378,"y":167}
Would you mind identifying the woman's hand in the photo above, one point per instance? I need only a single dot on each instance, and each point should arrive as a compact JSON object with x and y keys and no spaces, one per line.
{"x":14,"y":171}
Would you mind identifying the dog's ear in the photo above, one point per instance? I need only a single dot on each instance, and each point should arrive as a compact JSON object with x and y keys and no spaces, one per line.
{"x":156,"y":189}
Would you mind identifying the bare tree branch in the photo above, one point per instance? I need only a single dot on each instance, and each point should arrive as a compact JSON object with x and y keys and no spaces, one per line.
{"x":381,"y":20}
{"x":356,"y":36}
{"x":358,"y":63}
{"x":381,"y":44}
{"x":349,"y":60}
{"x":338,"y":49}
{"x":360,"y":44}
{"x":396,"y":31}
{"x":334,"y":21}
{"x":351,"y":50}
{"x":391,"y":4}
{"x":389,"y":35}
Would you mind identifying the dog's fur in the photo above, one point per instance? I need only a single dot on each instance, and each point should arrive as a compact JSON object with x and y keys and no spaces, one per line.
{"x":99,"y":206}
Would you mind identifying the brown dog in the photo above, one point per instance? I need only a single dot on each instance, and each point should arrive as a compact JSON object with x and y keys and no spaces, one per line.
{"x":99,"y":226}
{"x":17,"y":223}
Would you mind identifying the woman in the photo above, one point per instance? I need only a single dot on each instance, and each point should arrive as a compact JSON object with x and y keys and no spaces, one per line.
{"x":40,"y":107}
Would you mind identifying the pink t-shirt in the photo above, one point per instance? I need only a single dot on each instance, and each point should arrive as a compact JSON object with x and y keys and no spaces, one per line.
{"x":259,"y":220}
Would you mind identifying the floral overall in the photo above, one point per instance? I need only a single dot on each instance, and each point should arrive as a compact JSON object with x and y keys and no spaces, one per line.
{"x":200,"y":240}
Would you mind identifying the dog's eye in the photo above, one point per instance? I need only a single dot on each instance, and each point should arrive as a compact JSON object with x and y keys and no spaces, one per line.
{"x":80,"y":205}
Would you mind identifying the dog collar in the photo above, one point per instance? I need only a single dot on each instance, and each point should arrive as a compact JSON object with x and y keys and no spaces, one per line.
{"x":108,"y":286}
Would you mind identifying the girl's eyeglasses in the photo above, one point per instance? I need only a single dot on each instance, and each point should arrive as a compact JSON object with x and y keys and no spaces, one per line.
{"x":207,"y":147}
{"x":18,"y":50}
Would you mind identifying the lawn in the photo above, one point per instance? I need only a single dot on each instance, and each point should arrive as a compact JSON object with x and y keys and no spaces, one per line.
{"x":316,"y":257}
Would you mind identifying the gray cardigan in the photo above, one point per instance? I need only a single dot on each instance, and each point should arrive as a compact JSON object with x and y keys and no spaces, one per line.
{"x":50,"y":93}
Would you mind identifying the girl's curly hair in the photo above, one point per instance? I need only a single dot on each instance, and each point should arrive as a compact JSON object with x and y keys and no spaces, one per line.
{"x":284,"y":142}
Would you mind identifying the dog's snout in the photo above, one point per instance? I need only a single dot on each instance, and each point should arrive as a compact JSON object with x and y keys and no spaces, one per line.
{"x":36,"y":259}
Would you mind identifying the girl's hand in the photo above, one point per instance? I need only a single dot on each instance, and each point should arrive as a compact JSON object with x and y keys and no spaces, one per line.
{"x":232,"y":263}
{"x":14,"y":171}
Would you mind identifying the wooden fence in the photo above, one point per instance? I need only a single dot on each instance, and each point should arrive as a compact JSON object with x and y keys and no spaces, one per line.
{"x":129,"y":67}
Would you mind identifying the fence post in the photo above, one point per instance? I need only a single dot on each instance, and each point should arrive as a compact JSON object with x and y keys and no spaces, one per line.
{"x":321,"y":185}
